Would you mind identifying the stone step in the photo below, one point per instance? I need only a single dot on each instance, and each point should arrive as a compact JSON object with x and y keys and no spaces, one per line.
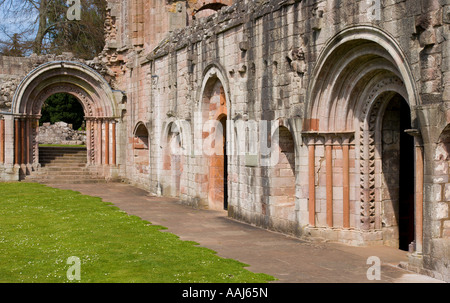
{"x":63,"y":161}
{"x":60,"y":167}
{"x":68,"y":156}
{"x":63,"y":165}
{"x":62,"y":151}
{"x":79,"y":154}
{"x":66,"y":168}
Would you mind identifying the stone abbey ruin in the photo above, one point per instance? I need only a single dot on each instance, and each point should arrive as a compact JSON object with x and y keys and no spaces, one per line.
{"x":321,"y":119}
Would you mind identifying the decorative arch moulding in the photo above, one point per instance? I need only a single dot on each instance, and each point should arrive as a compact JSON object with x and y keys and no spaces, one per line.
{"x":59,"y":76}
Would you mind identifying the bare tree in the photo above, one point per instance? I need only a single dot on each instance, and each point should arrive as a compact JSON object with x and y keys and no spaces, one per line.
{"x":49,"y":30}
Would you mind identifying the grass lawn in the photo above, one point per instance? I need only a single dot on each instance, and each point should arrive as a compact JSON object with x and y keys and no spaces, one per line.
{"x":41,"y":227}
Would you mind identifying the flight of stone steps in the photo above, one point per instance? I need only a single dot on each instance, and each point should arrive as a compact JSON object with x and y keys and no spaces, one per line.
{"x":63,"y":165}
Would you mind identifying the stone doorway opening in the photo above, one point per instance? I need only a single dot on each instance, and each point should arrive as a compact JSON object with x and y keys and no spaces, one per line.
{"x":218,"y":168}
{"x":99,"y":109}
{"x":223,"y":122}
{"x":62,"y":122}
{"x":398,"y":185}
{"x":213,"y":122}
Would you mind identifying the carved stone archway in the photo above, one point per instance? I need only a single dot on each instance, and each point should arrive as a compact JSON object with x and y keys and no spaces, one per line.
{"x":90,"y":89}
{"x":356,"y":76}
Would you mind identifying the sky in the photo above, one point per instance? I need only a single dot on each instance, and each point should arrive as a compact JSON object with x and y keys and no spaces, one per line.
{"x":14,"y":23}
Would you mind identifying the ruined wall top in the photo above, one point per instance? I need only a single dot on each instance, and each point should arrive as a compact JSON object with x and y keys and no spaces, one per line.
{"x":226,"y":18}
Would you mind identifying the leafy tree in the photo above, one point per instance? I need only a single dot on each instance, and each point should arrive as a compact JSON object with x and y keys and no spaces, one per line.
{"x":62,"y":107}
{"x":48,"y":29}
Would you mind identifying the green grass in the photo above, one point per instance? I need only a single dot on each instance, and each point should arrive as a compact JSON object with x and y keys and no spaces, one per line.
{"x":41,"y":227}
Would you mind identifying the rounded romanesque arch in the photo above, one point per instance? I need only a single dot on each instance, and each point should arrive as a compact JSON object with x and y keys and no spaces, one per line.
{"x":75,"y":78}
{"x":213,"y":111}
{"x":355,"y":66}
{"x":91,"y":90}
{"x":360,"y":74}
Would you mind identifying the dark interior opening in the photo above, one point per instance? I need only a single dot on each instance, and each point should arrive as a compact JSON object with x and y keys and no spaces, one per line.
{"x":406,"y":180}
{"x":223,"y":121}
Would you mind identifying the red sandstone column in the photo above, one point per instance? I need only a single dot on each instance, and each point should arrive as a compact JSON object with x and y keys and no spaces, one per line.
{"x":27,"y":141}
{"x":99,"y":140}
{"x":419,"y":196}
{"x":36,"y":143}
{"x":311,"y":180}
{"x":346,"y":183}
{"x":419,"y":193}
{"x":2,"y":141}
{"x":16,"y":141}
{"x":23,"y":141}
{"x":329,"y":179}
{"x":419,"y":188}
{"x":113,"y":135}
{"x":107,"y":142}
{"x":88,"y":140}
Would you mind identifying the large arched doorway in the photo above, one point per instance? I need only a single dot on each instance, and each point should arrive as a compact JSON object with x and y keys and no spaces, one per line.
{"x":218,"y":167}
{"x":214,"y":113}
{"x":89,"y":88}
{"x":360,"y":103}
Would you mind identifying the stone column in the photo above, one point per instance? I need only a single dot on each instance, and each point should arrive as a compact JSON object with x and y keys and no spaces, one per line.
{"x":27,"y":141}
{"x":346,"y":180}
{"x":88,"y":139}
{"x":36,"y":142}
{"x":310,"y":141}
{"x":418,"y":143}
{"x":106,"y":142}
{"x":346,"y":142}
{"x":99,"y":141}
{"x":114,"y":148}
{"x":2,"y":141}
{"x":329,"y":178}
{"x":22,"y":141}
{"x":16,"y":141}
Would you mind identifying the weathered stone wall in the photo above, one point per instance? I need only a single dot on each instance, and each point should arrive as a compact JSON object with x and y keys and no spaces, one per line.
{"x":265,"y":54}
{"x":322,"y":71}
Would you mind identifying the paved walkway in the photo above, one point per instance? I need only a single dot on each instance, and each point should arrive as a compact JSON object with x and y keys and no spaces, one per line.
{"x":288,"y":259}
